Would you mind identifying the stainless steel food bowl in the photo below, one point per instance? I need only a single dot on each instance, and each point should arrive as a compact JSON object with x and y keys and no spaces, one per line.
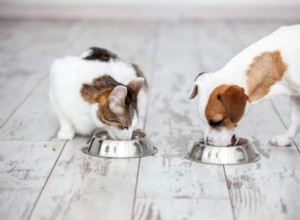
{"x":101,"y":145}
{"x":241,"y":153}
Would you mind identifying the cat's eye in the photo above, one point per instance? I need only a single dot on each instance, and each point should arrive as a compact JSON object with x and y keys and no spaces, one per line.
{"x":216,"y":123}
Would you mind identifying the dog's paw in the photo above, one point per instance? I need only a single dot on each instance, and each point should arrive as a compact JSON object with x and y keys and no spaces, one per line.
{"x":66,"y":134}
{"x":281,"y":141}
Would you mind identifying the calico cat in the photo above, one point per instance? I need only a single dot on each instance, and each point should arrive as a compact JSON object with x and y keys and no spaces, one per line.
{"x":97,"y":90}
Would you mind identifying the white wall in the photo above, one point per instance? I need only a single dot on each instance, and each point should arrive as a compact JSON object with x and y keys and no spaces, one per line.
{"x":152,"y":9}
{"x":205,"y":3}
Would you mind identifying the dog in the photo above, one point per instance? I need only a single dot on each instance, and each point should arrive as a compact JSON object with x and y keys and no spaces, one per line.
{"x":97,"y":90}
{"x":265,"y":69}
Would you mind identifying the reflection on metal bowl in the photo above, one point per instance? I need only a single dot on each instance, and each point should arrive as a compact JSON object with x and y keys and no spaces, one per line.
{"x":102,"y":146}
{"x":242,"y":153}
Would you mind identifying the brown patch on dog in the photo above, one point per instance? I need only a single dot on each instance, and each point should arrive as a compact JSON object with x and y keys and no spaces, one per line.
{"x":265,"y":71}
{"x":99,"y":92}
{"x":226,"y":106}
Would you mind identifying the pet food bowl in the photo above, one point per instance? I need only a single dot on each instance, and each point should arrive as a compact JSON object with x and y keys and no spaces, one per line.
{"x":101,"y":145}
{"x":242,"y":152}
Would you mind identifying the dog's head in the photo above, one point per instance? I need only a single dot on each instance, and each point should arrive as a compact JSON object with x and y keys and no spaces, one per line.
{"x":114,"y":104}
{"x":221,"y":106}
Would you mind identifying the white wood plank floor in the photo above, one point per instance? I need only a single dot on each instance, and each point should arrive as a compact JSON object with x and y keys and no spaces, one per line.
{"x":44,"y":178}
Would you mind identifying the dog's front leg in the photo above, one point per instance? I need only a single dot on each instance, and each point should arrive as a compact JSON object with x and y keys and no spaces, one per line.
{"x":287,"y":138}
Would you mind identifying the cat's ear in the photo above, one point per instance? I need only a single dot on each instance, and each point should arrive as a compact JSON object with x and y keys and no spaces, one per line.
{"x":136,"y":84}
{"x":117,"y":100}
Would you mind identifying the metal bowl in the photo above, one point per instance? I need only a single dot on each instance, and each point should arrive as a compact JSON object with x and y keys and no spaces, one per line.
{"x":241,"y":153}
{"x":102,"y":146}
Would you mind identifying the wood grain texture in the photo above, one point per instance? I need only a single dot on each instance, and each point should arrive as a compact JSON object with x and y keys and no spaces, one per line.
{"x":30,"y":59}
{"x":36,"y":108}
{"x":168,"y":182}
{"x":92,"y":187}
{"x":215,"y":45}
{"x":24,"y":169}
{"x":85,"y":187}
{"x":34,"y":120}
{"x":196,"y":208}
{"x":267,"y":189}
{"x":41,"y":178}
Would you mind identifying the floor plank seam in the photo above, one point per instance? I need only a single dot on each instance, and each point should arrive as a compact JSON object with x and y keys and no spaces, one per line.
{"x":154,"y":60}
{"x":135,"y":190}
{"x":278,"y":114}
{"x":231,"y":202}
{"x":54,"y":165}
{"x":155,"y":49}
{"x":24,"y":100}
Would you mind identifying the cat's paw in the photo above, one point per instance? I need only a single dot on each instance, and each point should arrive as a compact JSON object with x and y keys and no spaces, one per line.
{"x":66,"y":134}
{"x":281,"y":141}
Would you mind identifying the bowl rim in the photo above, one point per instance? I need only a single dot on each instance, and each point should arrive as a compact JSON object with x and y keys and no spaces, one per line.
{"x":201,"y":142}
{"x":229,"y":148}
{"x":86,"y":151}
{"x":257,"y":158}
{"x":143,"y":136}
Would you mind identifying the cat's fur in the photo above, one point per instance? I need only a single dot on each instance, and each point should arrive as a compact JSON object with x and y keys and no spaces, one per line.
{"x":97,"y":90}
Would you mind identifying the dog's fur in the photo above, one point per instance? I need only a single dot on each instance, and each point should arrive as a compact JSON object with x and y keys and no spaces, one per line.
{"x":268,"y":68}
{"x":97,"y":90}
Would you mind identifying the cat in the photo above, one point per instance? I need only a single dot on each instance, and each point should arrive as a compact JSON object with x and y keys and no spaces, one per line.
{"x":97,"y":90}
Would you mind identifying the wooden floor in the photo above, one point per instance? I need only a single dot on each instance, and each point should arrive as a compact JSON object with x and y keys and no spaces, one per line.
{"x":44,"y":178}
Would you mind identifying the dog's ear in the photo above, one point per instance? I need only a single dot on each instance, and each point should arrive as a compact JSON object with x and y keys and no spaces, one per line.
{"x":193,"y":92}
{"x":234,"y":100}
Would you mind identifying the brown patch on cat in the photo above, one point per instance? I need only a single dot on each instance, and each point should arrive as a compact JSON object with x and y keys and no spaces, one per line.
{"x":139,"y":73}
{"x":99,"y":92}
{"x":100,"y":54}
{"x":226,"y":106}
{"x":265,"y":71}
{"x":91,"y":92}
{"x":104,"y":113}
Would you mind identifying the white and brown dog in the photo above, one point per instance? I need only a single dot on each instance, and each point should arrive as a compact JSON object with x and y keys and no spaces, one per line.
{"x":268,"y":68}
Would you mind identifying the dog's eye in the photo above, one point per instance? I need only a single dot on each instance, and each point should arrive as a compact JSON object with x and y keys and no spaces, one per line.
{"x":216,"y":123}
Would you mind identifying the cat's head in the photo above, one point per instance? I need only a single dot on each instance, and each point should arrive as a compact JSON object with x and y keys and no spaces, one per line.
{"x":114,"y":104}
